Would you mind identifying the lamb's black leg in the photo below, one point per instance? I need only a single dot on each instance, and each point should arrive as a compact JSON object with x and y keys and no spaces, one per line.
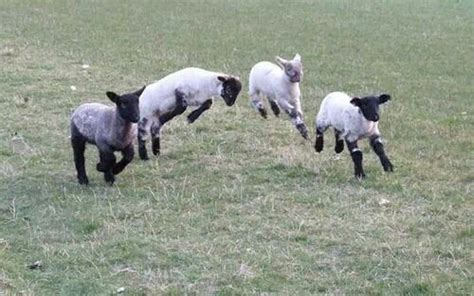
{"x":263,"y":112}
{"x":141,"y":136}
{"x":79,"y":146}
{"x":303,"y":130}
{"x":257,"y":104}
{"x":106,"y":165}
{"x":127,"y":157}
{"x":356,"y":155}
{"x":196,"y":113}
{"x":275,"y":108}
{"x":102,"y":166}
{"x":155,"y":138}
{"x":339,"y":142}
{"x":319,"y":142}
{"x":377,"y":146}
{"x":298,"y":122}
{"x":180,"y":107}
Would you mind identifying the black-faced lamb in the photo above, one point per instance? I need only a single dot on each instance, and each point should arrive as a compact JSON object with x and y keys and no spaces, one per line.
{"x":110,"y":129}
{"x":281,"y":86}
{"x":170,"y":96}
{"x":352,"y":119}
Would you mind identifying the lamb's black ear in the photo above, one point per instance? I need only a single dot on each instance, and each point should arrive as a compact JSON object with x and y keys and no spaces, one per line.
{"x":384,"y":98}
{"x":356,"y":101}
{"x":113,"y":96}
{"x":221,"y":78}
{"x":140,"y":91}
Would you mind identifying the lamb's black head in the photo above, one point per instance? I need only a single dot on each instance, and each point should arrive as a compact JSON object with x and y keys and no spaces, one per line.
{"x":127,"y":104}
{"x":293,"y":68}
{"x":369,"y":106}
{"x":231,"y":87}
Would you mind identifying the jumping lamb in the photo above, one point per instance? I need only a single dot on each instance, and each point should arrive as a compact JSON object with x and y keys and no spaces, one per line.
{"x":110,"y":129}
{"x":170,"y":96}
{"x":281,"y":86}
{"x":352,"y":119}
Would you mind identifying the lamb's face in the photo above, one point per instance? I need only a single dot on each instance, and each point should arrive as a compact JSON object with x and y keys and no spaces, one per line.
{"x":231,"y":87}
{"x":293,"y":69}
{"x":369,"y":106}
{"x":127,"y":105}
{"x":128,"y":108}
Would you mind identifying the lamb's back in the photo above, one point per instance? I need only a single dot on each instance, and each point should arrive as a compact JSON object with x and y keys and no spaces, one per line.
{"x":91,"y":119}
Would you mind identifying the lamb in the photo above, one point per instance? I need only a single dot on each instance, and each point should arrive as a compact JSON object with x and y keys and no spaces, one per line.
{"x":171,"y":95}
{"x":110,"y":129}
{"x":281,"y":86}
{"x":352,"y":119}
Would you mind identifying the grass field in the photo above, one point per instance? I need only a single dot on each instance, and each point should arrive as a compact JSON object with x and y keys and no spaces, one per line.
{"x":236,"y":204}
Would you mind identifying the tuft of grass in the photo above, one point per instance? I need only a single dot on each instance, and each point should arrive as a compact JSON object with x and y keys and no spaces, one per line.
{"x":237,"y":204}
{"x":417,"y":289}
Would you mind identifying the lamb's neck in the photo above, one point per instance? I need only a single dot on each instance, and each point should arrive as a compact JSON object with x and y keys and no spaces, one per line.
{"x":291,"y":87}
{"x":366,"y":127}
{"x":286,"y":81}
{"x":211,"y":88}
{"x":121,"y":128}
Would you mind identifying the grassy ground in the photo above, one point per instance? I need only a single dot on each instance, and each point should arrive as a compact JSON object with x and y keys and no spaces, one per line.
{"x":237,"y":204}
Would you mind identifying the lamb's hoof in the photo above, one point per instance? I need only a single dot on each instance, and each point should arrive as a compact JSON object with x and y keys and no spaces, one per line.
{"x":193,"y":116}
{"x":388,"y":167}
{"x":275,"y":108}
{"x":360,"y":176}
{"x":303,"y":130}
{"x":100,"y":167}
{"x":319,"y":144}
{"x":339,"y":146}
{"x":83,"y":181}
{"x":109,"y":179}
{"x":155,"y":147}
{"x":118,"y":168}
{"x":263,"y":112}
{"x":143,"y":154}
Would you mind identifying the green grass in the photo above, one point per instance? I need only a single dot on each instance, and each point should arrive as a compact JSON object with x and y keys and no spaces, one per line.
{"x":237,"y":204}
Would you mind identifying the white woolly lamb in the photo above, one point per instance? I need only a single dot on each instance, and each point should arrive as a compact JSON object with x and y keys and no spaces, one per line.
{"x":170,"y":96}
{"x":352,"y":119}
{"x":281,"y":86}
